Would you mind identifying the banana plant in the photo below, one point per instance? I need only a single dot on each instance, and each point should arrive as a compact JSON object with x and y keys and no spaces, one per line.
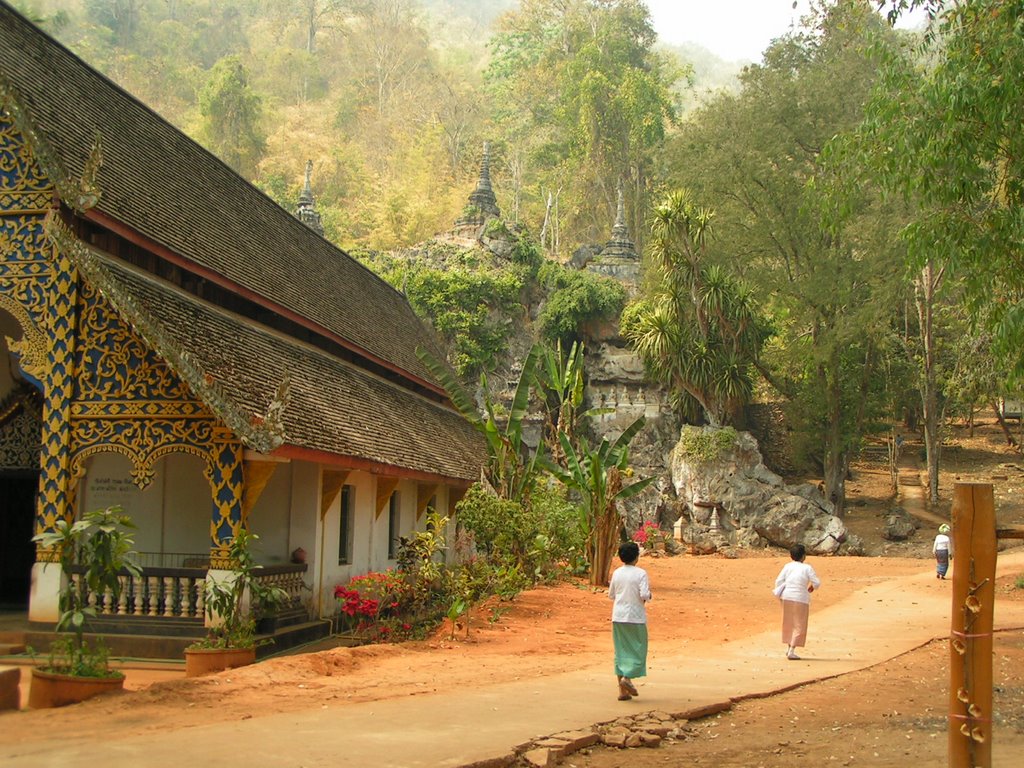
{"x":560,"y":378}
{"x":596,"y":476}
{"x":511,"y":465}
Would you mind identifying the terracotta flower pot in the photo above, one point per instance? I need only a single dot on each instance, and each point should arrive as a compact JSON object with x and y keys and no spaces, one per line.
{"x":49,"y":689}
{"x":204,"y":661}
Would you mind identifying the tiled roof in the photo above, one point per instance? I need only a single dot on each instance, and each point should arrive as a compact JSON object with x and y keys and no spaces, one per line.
{"x":165,"y":187}
{"x":332,"y":406}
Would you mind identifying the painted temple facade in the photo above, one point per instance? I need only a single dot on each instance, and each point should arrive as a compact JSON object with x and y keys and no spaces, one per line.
{"x":177,"y":344}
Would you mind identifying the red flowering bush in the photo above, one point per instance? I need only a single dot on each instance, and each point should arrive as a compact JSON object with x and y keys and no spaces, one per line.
{"x":354,"y":605}
{"x":649,"y":532}
{"x":372,"y":605}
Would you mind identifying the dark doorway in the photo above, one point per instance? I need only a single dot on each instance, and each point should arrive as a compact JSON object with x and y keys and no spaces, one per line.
{"x":17,"y":525}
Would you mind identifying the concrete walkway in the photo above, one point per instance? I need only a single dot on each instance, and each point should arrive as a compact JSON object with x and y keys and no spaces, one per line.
{"x":459,"y":728}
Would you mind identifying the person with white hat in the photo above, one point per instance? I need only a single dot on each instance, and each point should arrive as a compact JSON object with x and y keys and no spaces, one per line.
{"x":943,"y":551}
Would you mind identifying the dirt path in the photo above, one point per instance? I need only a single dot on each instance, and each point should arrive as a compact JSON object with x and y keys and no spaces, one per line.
{"x":913,"y":492}
{"x":543,"y":666}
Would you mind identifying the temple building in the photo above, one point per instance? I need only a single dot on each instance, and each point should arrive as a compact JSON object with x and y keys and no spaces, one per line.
{"x":176,"y":343}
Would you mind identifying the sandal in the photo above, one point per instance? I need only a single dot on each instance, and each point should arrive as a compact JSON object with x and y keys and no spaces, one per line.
{"x":629,"y":687}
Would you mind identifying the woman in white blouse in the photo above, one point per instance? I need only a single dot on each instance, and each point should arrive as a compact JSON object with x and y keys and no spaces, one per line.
{"x":793,"y":587}
{"x":630,"y":590}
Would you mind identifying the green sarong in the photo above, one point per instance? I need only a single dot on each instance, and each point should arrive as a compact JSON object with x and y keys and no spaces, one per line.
{"x":630,"y":649}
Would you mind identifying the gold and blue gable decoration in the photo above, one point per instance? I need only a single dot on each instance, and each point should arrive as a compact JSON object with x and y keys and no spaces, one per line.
{"x":106,"y":386}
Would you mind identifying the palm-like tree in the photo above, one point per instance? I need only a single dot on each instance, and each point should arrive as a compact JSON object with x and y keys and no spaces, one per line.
{"x":699,"y":333}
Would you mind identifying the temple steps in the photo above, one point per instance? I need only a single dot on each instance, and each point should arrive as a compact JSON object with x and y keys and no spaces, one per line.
{"x":148,"y":638}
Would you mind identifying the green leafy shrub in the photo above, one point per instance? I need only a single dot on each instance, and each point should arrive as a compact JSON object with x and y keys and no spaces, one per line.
{"x":471,"y":305}
{"x":576,"y":298}
{"x":703,"y":446}
{"x":498,"y":525}
{"x":563,"y":544}
{"x":527,"y":254}
{"x":420,"y":561}
{"x":496,"y":229}
{"x":225,"y":599}
{"x":99,"y":546}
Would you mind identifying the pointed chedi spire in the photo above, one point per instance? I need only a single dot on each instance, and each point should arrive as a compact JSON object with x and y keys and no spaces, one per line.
{"x":621,"y":244}
{"x":483,"y":196}
{"x":306,"y":212}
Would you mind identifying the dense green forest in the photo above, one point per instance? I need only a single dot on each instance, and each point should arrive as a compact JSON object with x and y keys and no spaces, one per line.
{"x":839,"y":227}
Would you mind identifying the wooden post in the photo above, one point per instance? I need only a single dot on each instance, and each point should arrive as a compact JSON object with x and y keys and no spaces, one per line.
{"x":970,"y":645}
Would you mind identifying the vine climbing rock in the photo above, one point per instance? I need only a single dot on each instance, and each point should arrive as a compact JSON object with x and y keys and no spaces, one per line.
{"x":724,"y":486}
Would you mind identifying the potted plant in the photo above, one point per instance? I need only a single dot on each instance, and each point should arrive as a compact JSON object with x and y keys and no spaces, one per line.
{"x":266,"y":606}
{"x":231,"y":639}
{"x":101,"y":543}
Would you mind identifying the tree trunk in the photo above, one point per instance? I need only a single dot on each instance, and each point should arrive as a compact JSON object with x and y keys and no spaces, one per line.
{"x":604,"y":540}
{"x":605,"y":536}
{"x":547,"y":222}
{"x":837,"y":466}
{"x":837,"y":460}
{"x":925,"y":287}
{"x":895,"y":445}
{"x":1002,"y":423}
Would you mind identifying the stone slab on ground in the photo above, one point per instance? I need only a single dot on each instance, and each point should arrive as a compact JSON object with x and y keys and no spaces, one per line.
{"x":10,"y":688}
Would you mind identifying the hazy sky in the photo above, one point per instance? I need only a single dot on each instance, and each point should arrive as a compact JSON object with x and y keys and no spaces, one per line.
{"x":733,"y":29}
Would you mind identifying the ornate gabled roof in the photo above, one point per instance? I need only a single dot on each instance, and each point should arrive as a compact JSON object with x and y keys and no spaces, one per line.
{"x":285,"y":392}
{"x":157,"y":186}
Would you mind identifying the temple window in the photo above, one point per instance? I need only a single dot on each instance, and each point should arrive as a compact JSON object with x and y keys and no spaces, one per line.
{"x":348,"y":497}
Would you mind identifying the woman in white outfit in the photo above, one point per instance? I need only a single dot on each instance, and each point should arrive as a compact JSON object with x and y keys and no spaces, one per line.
{"x":942,"y":548}
{"x":793,"y":587}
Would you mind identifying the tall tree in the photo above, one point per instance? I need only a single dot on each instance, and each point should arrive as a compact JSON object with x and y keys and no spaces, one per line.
{"x":831,"y":283}
{"x":121,"y":17}
{"x":231,"y":116}
{"x":389,"y":48}
{"x":948,"y":129}
{"x":583,"y":100}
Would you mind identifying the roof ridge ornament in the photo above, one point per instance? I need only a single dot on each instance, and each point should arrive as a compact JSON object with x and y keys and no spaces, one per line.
{"x":80,"y":194}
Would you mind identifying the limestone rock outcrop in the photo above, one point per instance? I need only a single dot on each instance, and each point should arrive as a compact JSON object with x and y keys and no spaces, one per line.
{"x":733,"y":498}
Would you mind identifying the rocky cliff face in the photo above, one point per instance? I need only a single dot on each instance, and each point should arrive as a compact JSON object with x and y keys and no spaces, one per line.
{"x":733,"y":499}
{"x":736,"y":501}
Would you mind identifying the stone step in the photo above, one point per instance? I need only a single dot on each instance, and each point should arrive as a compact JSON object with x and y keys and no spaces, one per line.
{"x":10,"y":691}
{"x":162,"y":645}
{"x":294,"y":635}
